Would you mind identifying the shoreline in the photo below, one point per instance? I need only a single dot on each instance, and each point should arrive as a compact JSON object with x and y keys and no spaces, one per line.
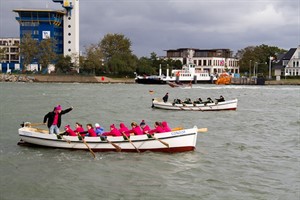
{"x":99,"y":79}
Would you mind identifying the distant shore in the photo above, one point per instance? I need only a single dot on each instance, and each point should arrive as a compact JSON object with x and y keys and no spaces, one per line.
{"x":98,"y":79}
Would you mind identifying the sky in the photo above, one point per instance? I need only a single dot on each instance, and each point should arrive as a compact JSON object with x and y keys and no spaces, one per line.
{"x":159,"y":25}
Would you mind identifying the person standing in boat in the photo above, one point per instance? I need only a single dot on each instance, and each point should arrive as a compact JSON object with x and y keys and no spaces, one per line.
{"x":145,"y":128}
{"x":53,"y":119}
{"x":165,"y":98}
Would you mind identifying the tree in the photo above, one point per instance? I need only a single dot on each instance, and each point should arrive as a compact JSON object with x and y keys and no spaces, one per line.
{"x":93,"y":60}
{"x":28,"y":50}
{"x":113,"y":44}
{"x":2,"y":54}
{"x":63,"y":64}
{"x":145,"y":66}
{"x":117,"y":54}
{"x":46,"y":54}
{"x":257,"y":56}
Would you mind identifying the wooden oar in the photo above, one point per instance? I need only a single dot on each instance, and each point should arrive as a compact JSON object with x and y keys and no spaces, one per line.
{"x":59,"y":136}
{"x":202,"y":130}
{"x":164,"y":143}
{"x":34,"y":124}
{"x":177,"y":128}
{"x":83,"y":140}
{"x":116,"y":146}
{"x":131,"y":142}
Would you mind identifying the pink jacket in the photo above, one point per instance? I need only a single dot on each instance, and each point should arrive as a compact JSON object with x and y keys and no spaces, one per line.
{"x":70,"y":131}
{"x":146,"y":129}
{"x":80,"y":130}
{"x":123,"y":128}
{"x":158,"y":129}
{"x":92,"y":133}
{"x":165,"y":126}
{"x":113,"y":131}
{"x":136,"y":130}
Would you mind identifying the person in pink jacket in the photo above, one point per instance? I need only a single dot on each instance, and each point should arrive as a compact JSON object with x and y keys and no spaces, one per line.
{"x":157,"y":128}
{"x":69,"y":131}
{"x":145,"y":128}
{"x":136,"y":130}
{"x":91,"y":131}
{"x":113,"y":131}
{"x":79,"y":129}
{"x":165,"y":126}
{"x":123,"y":128}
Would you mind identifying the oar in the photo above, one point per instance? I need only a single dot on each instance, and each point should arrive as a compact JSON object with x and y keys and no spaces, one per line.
{"x":177,"y":128}
{"x":35,"y":124}
{"x":202,"y":130}
{"x":164,"y":143}
{"x":59,"y":136}
{"x":79,"y":136}
{"x":131,"y":142}
{"x":116,"y":146}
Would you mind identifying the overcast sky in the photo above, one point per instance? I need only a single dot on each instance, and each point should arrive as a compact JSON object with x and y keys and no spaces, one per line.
{"x":158,"y":25}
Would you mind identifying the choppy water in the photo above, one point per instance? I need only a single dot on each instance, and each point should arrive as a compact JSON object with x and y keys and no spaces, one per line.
{"x":251,"y":153}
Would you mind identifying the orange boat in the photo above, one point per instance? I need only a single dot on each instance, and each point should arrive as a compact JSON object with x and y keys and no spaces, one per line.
{"x":224,"y":79}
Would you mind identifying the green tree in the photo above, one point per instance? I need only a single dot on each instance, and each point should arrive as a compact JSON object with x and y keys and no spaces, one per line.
{"x":2,"y":54}
{"x":117,"y":55}
{"x":46,"y":54}
{"x":257,"y":56}
{"x":113,"y":44}
{"x":63,"y":64}
{"x":28,"y":50}
{"x":145,"y":66}
{"x":93,"y":60}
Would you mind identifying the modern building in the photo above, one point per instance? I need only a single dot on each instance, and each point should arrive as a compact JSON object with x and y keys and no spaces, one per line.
{"x":61,"y":25}
{"x":212,"y":60}
{"x":288,"y":64}
{"x":9,"y":55}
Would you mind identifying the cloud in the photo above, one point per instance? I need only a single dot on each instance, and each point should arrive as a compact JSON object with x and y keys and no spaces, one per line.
{"x":157,"y":25}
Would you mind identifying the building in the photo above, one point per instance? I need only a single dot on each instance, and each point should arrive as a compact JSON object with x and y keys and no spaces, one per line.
{"x":288,"y":64}
{"x":9,"y":57}
{"x":212,"y":60}
{"x":62,"y":25}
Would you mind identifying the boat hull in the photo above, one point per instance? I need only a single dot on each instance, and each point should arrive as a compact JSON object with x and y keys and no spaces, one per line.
{"x":226,"y":105}
{"x":178,"y":141}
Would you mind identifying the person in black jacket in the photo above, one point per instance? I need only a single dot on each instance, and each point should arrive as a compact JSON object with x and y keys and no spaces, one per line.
{"x":165,"y":98}
{"x":53,"y":119}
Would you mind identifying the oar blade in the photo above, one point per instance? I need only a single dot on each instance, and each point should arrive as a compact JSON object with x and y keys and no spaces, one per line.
{"x":202,"y":130}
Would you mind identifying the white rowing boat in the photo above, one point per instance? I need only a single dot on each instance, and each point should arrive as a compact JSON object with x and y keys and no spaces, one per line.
{"x":215,"y":106}
{"x":175,"y":141}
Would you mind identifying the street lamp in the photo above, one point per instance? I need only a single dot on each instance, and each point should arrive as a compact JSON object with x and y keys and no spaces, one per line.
{"x":255,"y":67}
{"x":270,"y":59}
{"x":250,"y":69}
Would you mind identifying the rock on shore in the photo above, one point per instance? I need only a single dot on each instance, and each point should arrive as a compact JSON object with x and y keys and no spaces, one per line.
{"x":16,"y":78}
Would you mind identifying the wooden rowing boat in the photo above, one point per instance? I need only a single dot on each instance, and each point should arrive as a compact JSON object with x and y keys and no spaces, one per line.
{"x":178,"y":141}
